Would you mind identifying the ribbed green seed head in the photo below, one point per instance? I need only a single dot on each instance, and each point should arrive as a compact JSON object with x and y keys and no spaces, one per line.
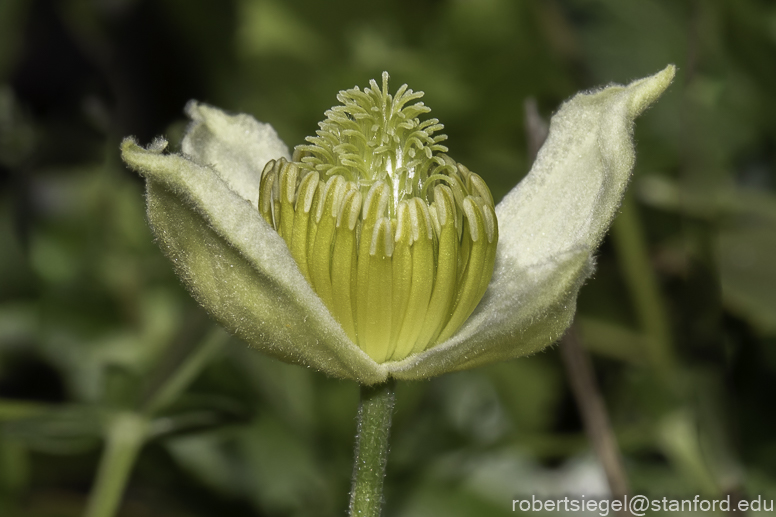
{"x":396,"y":238}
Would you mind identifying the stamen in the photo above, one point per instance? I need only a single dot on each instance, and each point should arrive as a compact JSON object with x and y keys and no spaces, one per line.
{"x":398,"y":240}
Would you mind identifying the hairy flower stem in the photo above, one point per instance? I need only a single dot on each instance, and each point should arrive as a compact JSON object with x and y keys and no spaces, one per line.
{"x":374,"y":428}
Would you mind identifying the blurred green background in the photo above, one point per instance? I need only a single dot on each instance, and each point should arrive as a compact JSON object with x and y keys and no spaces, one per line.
{"x":680,"y":317}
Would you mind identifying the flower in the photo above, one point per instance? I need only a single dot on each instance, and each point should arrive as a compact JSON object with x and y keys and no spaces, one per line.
{"x":203,"y":206}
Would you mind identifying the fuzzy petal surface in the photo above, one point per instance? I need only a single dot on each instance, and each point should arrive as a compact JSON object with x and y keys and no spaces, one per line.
{"x":549,"y":228}
{"x":239,"y":268}
{"x":235,"y":146}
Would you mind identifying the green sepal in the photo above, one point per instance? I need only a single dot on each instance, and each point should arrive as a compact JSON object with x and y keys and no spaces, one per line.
{"x":239,"y":268}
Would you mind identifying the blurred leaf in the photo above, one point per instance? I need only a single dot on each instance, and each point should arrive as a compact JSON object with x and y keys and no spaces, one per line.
{"x":60,"y":430}
{"x":281,"y":473}
{"x":12,"y":17}
{"x":452,"y":502}
{"x":288,"y":390}
{"x":680,"y":441}
{"x":612,"y":340}
{"x":530,"y":390}
{"x":262,"y":463}
{"x":710,"y":203}
{"x":747,"y":273}
{"x":11,"y":410}
{"x":14,"y":466}
{"x":17,"y":137}
{"x":207,"y":456}
{"x":269,"y":27}
{"x":18,"y":322}
{"x":194,"y":415}
{"x":472,"y":406}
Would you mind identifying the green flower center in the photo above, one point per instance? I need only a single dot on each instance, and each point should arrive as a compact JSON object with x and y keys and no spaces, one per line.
{"x":397,"y":239}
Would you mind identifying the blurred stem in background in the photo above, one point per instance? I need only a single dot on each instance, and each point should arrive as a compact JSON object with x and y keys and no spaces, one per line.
{"x":592,"y":409}
{"x":185,"y":374}
{"x":633,"y":259}
{"x":127,"y":431}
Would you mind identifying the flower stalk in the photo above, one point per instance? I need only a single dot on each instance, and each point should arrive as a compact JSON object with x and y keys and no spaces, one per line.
{"x":374,"y":426}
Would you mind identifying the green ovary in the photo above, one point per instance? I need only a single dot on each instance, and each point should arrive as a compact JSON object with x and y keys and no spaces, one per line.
{"x":396,"y":238}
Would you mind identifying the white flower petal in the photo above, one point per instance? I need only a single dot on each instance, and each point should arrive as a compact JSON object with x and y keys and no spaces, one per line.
{"x":572,"y":193}
{"x":549,"y":228}
{"x":236,"y":146}
{"x":240,"y":269}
